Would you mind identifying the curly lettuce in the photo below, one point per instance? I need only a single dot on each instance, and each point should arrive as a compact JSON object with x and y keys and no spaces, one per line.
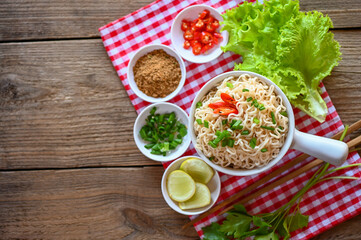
{"x":293,"y":49}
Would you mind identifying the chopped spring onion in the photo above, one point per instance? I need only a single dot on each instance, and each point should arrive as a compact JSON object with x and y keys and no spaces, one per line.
{"x":225,"y":142}
{"x":183,"y":131}
{"x":199,"y":121}
{"x":149,"y":145}
{"x":230,"y":85}
{"x":199,"y":104}
{"x":284,"y":113}
{"x":245,"y":90}
{"x":256,"y":120}
{"x":245,"y":132}
{"x":225,"y":121}
{"x":218,"y":133}
{"x":280,"y":127}
{"x":249,"y":99}
{"x":254,"y":102}
{"x":253,"y":142}
{"x":212,"y":144}
{"x":273,"y":118}
{"x":206,"y":124}
{"x":211,"y":158}
{"x":268,"y":128}
{"x":264,"y":150}
{"x":237,"y":125}
{"x":261,"y":107}
{"x":230,"y":142}
{"x":153,"y":111}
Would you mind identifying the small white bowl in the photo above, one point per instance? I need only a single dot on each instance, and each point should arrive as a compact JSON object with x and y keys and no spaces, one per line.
{"x":214,"y":187}
{"x":162,"y":108}
{"x":143,"y":51}
{"x":191,"y":13}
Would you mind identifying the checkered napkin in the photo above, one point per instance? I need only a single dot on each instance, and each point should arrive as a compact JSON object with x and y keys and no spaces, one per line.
{"x":328,"y":204}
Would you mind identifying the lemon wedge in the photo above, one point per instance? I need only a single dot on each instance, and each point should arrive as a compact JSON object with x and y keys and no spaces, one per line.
{"x":198,"y":169}
{"x":201,"y":198}
{"x":181,"y":187}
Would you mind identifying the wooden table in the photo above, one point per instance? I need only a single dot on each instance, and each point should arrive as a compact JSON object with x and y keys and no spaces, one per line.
{"x":69,"y":167}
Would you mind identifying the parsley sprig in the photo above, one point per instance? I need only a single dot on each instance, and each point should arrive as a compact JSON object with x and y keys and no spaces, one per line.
{"x":239,"y":224}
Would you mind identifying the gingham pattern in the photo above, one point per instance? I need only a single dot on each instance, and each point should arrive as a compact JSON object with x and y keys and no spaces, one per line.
{"x":327,"y":204}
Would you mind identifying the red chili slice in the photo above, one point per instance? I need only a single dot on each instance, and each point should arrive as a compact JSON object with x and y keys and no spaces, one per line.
{"x":197,"y":49}
{"x":194,"y":42}
{"x":186,"y":44}
{"x":217,"y":35}
{"x":225,"y":97}
{"x":185,"y":25}
{"x":215,"y":24}
{"x":206,"y":47}
{"x":204,"y":14}
{"x":207,"y":37}
{"x":197,"y":36}
{"x":188,"y":35}
{"x":199,"y":25}
{"x":225,"y":111}
{"x":209,"y":28}
{"x":221,"y":104}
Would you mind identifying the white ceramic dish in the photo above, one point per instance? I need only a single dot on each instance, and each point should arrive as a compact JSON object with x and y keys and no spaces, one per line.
{"x":191,"y":13}
{"x":329,"y":150}
{"x":162,"y":107}
{"x":214,"y":187}
{"x":143,"y":51}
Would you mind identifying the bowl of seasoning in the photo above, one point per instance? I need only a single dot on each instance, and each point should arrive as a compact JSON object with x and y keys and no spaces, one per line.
{"x":161,"y":131}
{"x":196,"y":35}
{"x":156,"y":73}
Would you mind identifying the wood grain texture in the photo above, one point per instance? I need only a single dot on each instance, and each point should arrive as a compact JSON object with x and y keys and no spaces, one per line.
{"x":62,"y":105}
{"x":56,"y":19}
{"x":344,"y":13}
{"x":117,"y":203}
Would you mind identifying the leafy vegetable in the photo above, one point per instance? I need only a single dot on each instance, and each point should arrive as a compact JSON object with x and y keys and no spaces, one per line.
{"x":271,"y":226}
{"x":293,"y":49}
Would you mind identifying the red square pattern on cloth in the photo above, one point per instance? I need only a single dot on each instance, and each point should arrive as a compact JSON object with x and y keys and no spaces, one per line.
{"x":328,"y":204}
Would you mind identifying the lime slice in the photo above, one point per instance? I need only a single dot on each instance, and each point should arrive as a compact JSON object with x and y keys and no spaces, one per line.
{"x":201,"y":198}
{"x":198,"y":169}
{"x":180,"y":186}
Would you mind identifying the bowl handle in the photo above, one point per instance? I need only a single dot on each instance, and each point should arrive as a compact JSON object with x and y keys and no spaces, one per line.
{"x":326,"y":149}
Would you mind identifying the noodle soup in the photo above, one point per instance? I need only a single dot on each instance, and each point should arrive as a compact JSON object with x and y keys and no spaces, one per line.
{"x":242,"y":123}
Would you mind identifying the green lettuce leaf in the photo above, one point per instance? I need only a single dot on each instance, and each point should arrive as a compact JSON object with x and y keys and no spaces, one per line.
{"x":293,"y":49}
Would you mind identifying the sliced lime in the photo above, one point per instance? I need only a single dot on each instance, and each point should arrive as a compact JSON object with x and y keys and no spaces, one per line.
{"x":201,"y":198}
{"x":198,"y":169}
{"x":180,"y":186}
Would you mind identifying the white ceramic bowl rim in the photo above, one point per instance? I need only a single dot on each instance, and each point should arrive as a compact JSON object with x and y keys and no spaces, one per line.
{"x":141,"y":52}
{"x":214,"y":194}
{"x":177,"y":35}
{"x":243,"y":172}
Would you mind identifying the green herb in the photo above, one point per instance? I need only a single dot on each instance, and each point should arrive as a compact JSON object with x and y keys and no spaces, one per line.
{"x":261,"y":107}
{"x":278,"y":50}
{"x":245,"y":132}
{"x":275,"y":225}
{"x":199,"y":121}
{"x":264,"y":150}
{"x":273,"y":118}
{"x":253,"y":142}
{"x":225,"y":142}
{"x":280,"y":127}
{"x":159,"y":132}
{"x":199,"y":104}
{"x":249,"y":99}
{"x":224,"y":122}
{"x":254,"y":102}
{"x":212,"y":144}
{"x":230,"y":85}
{"x":268,"y":128}
{"x":284,"y":113}
{"x":245,"y":90}
{"x":230,"y":143}
{"x":206,"y":124}
{"x":256,"y":120}
{"x":237,"y":125}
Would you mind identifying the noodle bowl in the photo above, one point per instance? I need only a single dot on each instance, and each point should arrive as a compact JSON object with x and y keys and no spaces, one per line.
{"x":253,"y":132}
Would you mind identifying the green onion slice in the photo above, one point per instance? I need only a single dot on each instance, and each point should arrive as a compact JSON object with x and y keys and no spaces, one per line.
{"x":268,"y":128}
{"x":206,"y":123}
{"x":256,"y":120}
{"x":245,"y":90}
{"x":284,"y":114}
{"x":249,"y":99}
{"x":264,"y":150}
{"x":199,"y":104}
{"x":199,"y":121}
{"x":230,"y":85}
{"x":273,"y":118}
{"x":253,"y":142}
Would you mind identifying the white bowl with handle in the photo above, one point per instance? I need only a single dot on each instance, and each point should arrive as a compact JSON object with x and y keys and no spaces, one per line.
{"x":328,"y":150}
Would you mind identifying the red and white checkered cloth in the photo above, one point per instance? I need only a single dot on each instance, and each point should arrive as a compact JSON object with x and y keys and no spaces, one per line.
{"x":328,"y":204}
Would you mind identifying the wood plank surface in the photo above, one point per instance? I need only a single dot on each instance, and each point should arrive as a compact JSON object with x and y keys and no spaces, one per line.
{"x":116,"y":203}
{"x":56,"y":19}
{"x":63,"y":105}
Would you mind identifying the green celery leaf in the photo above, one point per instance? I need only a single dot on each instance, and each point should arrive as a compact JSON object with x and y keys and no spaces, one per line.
{"x":212,"y":232}
{"x":270,"y":236}
{"x":296,"y":221}
{"x":236,"y":224}
{"x":240,"y":209}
